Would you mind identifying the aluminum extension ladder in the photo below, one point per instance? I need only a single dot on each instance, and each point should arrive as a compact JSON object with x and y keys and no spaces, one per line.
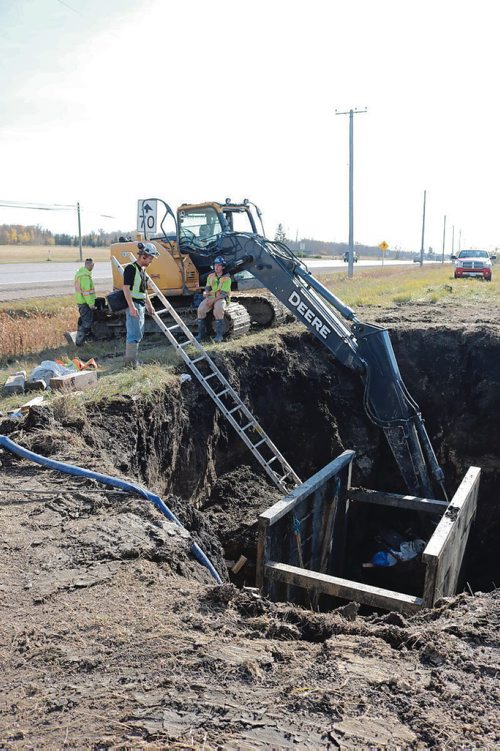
{"x":221,"y":391}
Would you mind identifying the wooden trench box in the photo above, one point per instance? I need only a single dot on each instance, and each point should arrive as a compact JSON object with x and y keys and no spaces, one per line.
{"x":303,"y":547}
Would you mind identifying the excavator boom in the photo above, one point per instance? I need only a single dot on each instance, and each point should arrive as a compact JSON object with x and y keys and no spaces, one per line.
{"x":362,"y":347}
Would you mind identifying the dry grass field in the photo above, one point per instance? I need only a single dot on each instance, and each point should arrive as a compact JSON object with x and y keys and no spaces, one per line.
{"x":26,"y":332}
{"x":49,"y":253}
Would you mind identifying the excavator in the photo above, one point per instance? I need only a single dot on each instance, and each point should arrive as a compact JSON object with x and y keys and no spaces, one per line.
{"x":181,"y":269}
{"x":364,"y":348}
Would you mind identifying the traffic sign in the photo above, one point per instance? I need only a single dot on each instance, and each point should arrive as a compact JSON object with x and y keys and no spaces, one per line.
{"x":146,"y":217}
{"x":383,"y":245}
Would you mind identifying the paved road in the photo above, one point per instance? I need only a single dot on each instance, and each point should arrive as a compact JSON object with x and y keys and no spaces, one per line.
{"x":21,"y":281}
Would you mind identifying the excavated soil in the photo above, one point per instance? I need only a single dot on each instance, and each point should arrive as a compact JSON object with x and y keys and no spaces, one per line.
{"x":112,"y":636}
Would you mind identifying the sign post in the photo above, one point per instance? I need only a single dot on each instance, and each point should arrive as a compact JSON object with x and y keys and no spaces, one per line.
{"x":383,"y":247}
{"x":146,"y":217}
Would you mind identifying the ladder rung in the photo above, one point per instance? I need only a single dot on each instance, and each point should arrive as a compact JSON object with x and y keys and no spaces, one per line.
{"x":184,"y":344}
{"x":221,"y":393}
{"x":171,"y":328}
{"x":203,"y":357}
{"x":212,"y":375}
{"x":259,"y":443}
{"x":247,"y":426}
{"x":162,"y":310}
{"x":234,"y":409}
{"x":271,"y":460}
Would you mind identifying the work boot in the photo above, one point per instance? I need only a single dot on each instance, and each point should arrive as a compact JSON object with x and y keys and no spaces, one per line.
{"x":131,"y":349}
{"x":202,"y":329}
{"x":219,"y":331}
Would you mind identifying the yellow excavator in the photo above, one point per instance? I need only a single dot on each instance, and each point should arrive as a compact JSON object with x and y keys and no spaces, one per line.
{"x":183,"y":264}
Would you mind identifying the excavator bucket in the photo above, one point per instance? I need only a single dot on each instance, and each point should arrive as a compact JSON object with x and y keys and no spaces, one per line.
{"x":389,"y":405}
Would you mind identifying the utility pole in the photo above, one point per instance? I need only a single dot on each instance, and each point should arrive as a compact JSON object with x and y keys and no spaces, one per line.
{"x":423,"y":232}
{"x":351,"y":113}
{"x":79,"y":230}
{"x":459,"y":240}
{"x":444,"y":238}
{"x":453,"y":241}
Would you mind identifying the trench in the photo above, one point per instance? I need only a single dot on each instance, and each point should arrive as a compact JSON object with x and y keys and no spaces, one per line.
{"x":312,"y":409}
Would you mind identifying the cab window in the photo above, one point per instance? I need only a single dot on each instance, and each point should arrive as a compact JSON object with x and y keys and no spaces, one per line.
{"x":199,"y":226}
{"x":239,"y":221}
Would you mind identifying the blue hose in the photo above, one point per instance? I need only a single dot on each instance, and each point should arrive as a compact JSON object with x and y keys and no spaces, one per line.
{"x":70,"y":469}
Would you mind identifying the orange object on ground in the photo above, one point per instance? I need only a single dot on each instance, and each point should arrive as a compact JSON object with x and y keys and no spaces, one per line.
{"x":80,"y":365}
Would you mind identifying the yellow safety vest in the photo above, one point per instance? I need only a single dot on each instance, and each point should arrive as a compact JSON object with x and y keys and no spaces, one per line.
{"x":219,"y":284}
{"x":135,"y":290}
{"x":87,"y":294}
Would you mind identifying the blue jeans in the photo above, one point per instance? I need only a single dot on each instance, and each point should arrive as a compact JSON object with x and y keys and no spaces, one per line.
{"x":135,"y":324}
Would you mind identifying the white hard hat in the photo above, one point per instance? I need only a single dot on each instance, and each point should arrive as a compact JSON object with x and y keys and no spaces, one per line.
{"x":148,"y":249}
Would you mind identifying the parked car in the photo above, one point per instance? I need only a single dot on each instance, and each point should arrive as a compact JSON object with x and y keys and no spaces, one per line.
{"x":346,"y":257}
{"x":475,"y":263}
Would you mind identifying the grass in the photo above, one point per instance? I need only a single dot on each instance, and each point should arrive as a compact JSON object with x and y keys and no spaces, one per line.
{"x":49,"y":253}
{"x":157,"y":371}
{"x":32,"y":331}
{"x":403,"y":286}
{"x":30,"y":327}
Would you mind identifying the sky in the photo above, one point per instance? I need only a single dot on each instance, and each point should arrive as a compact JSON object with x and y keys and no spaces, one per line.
{"x":105,"y":102}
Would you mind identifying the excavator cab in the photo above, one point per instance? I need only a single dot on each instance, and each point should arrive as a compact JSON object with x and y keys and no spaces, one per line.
{"x":201,"y":225}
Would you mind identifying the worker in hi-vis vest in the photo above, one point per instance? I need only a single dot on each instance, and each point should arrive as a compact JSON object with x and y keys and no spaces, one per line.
{"x":217,"y":295}
{"x":135,"y":289}
{"x":85,"y":299}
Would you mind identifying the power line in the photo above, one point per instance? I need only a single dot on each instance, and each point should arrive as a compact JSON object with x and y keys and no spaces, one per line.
{"x":66,"y":5}
{"x":36,"y":205}
{"x":86,"y":17}
{"x":49,"y":207}
{"x":37,"y":208}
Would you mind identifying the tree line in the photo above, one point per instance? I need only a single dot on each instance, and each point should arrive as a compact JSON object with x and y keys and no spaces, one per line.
{"x":20,"y":234}
{"x":310,"y":247}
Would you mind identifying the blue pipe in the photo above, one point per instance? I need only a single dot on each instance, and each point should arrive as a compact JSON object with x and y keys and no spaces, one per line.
{"x":71,"y":469}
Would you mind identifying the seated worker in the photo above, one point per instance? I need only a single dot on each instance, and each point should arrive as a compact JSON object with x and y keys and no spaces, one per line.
{"x":204,"y":235}
{"x":217,"y":294}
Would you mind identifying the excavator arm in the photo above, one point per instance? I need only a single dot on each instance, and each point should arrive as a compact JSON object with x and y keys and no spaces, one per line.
{"x":362,"y":347}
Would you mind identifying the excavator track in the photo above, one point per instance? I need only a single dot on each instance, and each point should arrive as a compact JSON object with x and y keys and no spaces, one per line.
{"x":265,"y":310}
{"x":237,"y":320}
{"x":112,"y":325}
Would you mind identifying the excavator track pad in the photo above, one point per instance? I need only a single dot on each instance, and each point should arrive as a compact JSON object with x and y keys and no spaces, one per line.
{"x":264,"y":310}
